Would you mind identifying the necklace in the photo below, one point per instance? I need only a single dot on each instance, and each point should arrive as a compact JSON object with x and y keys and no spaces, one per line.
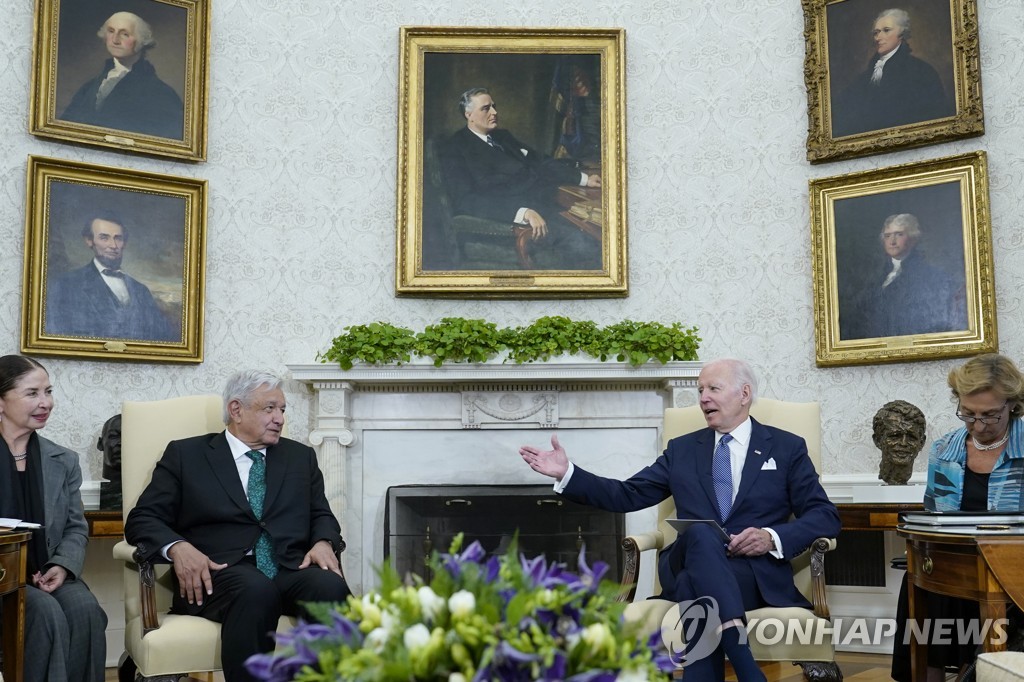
{"x":18,"y":458}
{"x":991,"y":446}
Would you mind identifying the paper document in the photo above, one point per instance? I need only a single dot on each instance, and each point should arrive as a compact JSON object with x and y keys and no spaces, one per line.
{"x":681,"y":525}
{"x":17,"y":523}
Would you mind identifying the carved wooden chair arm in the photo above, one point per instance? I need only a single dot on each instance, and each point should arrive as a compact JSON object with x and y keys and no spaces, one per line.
{"x":632,"y":546}
{"x":818,"y":549}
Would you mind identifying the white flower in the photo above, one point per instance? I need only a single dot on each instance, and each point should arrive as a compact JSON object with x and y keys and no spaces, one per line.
{"x":632,"y":676}
{"x":389,"y":618}
{"x":416,"y":637}
{"x":456,"y":677}
{"x":462,"y":603}
{"x":430,"y":603}
{"x":597,"y":635}
{"x":376,"y":639}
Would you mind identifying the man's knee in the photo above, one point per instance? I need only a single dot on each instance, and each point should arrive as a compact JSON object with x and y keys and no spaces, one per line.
{"x":324,"y":585}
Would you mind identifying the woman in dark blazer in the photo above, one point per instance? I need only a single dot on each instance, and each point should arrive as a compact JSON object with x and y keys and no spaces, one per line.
{"x":40,"y":482}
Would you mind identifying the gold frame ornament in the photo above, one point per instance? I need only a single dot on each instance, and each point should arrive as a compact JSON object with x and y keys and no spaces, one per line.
{"x":939,"y":300}
{"x":549,"y":85}
{"x":67,"y":308}
{"x":934,"y":89}
{"x":159,"y":107}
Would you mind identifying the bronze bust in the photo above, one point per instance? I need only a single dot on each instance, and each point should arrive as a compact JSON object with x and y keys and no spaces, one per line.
{"x":899,"y":432}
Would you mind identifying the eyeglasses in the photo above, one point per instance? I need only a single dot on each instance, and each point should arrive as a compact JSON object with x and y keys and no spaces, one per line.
{"x":970,"y":418}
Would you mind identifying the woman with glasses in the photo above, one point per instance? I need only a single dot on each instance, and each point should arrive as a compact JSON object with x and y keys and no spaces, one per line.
{"x":975,"y":468}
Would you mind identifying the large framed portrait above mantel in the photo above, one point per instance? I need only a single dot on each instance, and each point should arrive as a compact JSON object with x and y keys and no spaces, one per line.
{"x":130,"y":75}
{"x":114,"y":263}
{"x":511,"y":163}
{"x":902,"y":260}
{"x":883,"y":76}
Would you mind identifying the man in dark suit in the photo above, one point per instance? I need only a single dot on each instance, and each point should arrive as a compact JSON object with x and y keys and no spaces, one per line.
{"x":895,"y":89}
{"x":490,"y":174}
{"x":99,"y":299}
{"x":243,"y":516}
{"x":756,"y":480}
{"x":127,"y":94}
{"x":905,"y":295}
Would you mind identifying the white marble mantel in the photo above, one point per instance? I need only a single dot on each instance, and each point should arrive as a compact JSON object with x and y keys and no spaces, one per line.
{"x":375,"y":427}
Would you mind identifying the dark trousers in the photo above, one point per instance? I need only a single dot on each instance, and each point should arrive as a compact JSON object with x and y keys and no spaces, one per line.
{"x":697,"y":566}
{"x":248,"y":605}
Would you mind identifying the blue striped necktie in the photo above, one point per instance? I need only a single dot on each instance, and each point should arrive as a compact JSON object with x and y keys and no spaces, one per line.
{"x":264,"y":550}
{"x":721,"y":473}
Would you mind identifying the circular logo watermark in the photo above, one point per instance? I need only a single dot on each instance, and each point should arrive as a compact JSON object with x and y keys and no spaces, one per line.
{"x":691,"y":630}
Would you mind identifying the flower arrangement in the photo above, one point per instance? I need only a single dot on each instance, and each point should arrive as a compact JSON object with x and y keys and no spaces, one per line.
{"x":502,"y":618}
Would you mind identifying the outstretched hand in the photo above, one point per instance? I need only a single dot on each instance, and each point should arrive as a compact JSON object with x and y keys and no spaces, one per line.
{"x":553,"y":463}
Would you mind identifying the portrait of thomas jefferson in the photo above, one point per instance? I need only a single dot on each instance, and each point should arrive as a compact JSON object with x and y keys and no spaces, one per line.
{"x":879,"y":76}
{"x":904,"y":274}
{"x":109,"y":75}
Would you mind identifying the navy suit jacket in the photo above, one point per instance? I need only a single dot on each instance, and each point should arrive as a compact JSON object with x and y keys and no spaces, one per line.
{"x":80,"y":303}
{"x":787,"y":498}
{"x":492,"y":183}
{"x":196,"y":495}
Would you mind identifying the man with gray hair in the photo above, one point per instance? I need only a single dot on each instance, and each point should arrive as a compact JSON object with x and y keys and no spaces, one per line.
{"x":490,"y":174}
{"x":127,"y":94}
{"x":243,"y":516}
{"x":907,"y":295}
{"x":757,"y":481}
{"x":895,"y":89}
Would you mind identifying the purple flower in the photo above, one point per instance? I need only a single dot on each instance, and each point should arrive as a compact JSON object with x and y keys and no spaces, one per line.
{"x":589,"y":579}
{"x":541,"y":574}
{"x":475,"y":553}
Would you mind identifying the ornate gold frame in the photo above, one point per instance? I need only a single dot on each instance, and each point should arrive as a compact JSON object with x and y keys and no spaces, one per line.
{"x":412,"y":278}
{"x":187,"y":59}
{"x":913,"y":188}
{"x":59,"y":194}
{"x":969,"y":117}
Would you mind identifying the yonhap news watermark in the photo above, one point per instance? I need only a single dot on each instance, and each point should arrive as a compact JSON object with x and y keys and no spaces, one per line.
{"x":691,"y":630}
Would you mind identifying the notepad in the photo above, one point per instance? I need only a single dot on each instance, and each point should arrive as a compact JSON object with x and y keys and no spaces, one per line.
{"x":681,"y":526}
{"x":11,"y":524}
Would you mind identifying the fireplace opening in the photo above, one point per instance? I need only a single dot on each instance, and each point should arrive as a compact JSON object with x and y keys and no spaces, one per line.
{"x":420,"y":519}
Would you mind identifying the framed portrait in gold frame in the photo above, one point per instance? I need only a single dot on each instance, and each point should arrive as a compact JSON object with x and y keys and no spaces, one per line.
{"x":902,"y":260}
{"x":511,"y":163}
{"x":131,"y":75}
{"x":114,"y":263}
{"x":882,"y":77}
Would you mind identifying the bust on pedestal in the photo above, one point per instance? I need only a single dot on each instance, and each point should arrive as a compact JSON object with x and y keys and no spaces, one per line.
{"x":109,"y":444}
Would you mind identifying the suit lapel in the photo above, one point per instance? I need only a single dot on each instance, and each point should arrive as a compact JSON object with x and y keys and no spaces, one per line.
{"x":51,"y":470}
{"x":277,"y":463}
{"x":758,"y":453}
{"x":705,"y":455}
{"x":222,"y":463}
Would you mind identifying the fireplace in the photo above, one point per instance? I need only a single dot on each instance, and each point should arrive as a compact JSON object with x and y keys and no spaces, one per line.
{"x":377,"y":428}
{"x":422,"y":519}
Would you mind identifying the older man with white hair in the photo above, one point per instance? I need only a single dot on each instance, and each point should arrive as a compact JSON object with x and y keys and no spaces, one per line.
{"x":127,"y":94}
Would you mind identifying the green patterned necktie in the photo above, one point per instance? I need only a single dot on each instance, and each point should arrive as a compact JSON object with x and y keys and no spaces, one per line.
{"x":264,"y":551}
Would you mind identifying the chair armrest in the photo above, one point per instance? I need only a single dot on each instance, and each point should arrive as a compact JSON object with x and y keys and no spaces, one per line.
{"x":818,"y":549}
{"x":632,"y":546}
{"x":147,"y":584}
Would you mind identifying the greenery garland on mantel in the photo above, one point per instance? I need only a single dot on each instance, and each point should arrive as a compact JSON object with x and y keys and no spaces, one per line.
{"x":457,"y":339}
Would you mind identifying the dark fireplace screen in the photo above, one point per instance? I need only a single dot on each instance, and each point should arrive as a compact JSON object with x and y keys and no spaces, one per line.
{"x":420,"y":519}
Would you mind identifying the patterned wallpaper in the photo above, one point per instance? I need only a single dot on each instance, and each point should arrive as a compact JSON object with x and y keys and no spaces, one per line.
{"x":302,"y":147}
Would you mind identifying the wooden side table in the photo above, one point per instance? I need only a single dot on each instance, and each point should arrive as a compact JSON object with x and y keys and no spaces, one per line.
{"x":13,"y":556}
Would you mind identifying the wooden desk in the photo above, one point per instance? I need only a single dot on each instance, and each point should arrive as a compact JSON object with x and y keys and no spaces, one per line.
{"x":986,"y":568}
{"x":105,"y":524}
{"x":13,"y":555}
{"x":874,"y":516}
